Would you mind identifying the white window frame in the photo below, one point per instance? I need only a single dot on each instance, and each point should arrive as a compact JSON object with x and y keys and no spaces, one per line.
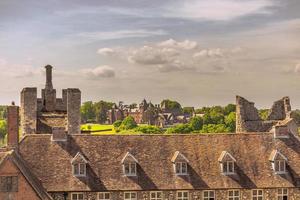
{"x":208,"y":197}
{"x":80,"y":165}
{"x":181,"y":172}
{"x":130,"y":164}
{"x":281,"y":166}
{"x":227,"y":164}
{"x":77,"y":193}
{"x":103,"y":193}
{"x":257,"y":196}
{"x":130,"y":194}
{"x":155,"y":193}
{"x":281,"y":192}
{"x":234,"y":197}
{"x":182,"y":196}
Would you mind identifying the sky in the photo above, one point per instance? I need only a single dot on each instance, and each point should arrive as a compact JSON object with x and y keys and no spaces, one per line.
{"x":198,"y":52}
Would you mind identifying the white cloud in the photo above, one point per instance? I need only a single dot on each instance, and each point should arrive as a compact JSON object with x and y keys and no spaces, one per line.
{"x":99,"y":72}
{"x":148,"y":55}
{"x":106,"y":51}
{"x":186,"y":44}
{"x":217,"y":52}
{"x":217,"y":10}
{"x":121,"y":34}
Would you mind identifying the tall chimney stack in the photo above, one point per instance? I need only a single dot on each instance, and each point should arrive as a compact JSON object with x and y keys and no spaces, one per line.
{"x":13,"y":126}
{"x":49,"y":85}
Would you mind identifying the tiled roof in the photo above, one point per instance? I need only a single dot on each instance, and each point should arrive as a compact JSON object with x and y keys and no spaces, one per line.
{"x":51,"y":161}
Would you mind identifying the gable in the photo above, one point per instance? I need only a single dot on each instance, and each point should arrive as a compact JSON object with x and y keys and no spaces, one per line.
{"x":8,"y":168}
{"x":79,"y":158}
{"x":276,"y":155}
{"x":225,"y":156}
{"x":179,"y":157}
{"x":129,"y":158}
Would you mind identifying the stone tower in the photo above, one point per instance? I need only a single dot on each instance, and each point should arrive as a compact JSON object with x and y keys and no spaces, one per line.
{"x":42,"y":115}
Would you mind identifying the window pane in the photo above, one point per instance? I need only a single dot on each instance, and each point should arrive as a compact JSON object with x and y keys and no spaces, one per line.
{"x":132,"y":168}
{"x":178,"y":168}
{"x":184,"y":168}
{"x":230,"y":166}
{"x":127,"y":195}
{"x":82,"y":169}
{"x":133,"y":195}
{"x":76,"y":170}
{"x":126,"y":168}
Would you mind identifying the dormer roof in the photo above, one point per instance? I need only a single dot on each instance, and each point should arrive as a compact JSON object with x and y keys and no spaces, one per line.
{"x":79,"y":158}
{"x":276,"y":155}
{"x":129,"y":158}
{"x":225,"y":156}
{"x":179,"y":157}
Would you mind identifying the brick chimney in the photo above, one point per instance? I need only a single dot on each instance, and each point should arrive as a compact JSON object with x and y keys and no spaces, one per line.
{"x":13,"y":126}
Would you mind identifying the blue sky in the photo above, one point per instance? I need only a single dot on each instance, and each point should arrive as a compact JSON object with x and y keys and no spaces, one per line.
{"x":199,"y":52}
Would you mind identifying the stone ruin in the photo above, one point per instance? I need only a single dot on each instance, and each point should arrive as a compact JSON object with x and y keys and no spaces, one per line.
{"x":48,"y":113}
{"x":248,"y":119}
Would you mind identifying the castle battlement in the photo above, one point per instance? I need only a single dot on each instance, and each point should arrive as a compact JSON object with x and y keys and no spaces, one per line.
{"x":42,"y":114}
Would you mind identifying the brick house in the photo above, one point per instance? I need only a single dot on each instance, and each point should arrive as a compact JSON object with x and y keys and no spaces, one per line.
{"x":256,"y":165}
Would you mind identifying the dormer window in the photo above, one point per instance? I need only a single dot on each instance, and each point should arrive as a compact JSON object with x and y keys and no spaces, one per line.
{"x":129,"y":163}
{"x":227,"y":163}
{"x":180,"y":163}
{"x":278,"y":161}
{"x":79,"y":163}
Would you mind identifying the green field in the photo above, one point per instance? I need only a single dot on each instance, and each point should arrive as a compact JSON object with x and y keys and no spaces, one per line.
{"x":99,"y":129}
{"x":105,"y":129}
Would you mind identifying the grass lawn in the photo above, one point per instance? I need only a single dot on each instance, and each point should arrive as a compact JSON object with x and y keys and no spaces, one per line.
{"x":103,"y":129}
{"x":99,"y":129}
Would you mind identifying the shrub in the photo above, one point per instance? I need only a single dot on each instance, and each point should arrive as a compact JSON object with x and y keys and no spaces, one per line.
{"x":180,"y":128}
{"x":196,"y":123}
{"x":128,"y":123}
{"x":148,"y":129}
{"x":117,"y":123}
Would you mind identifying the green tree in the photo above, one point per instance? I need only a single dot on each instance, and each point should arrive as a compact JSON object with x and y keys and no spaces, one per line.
{"x":263,"y":113}
{"x":215,"y":128}
{"x":3,"y":112}
{"x":3,"y":129}
{"x":196,"y":123}
{"x":128,"y":123}
{"x":229,"y":108}
{"x":188,"y":110}
{"x":296,"y":116}
{"x":171,"y":105}
{"x":87,"y":111}
{"x":230,"y":121}
{"x":101,"y":109}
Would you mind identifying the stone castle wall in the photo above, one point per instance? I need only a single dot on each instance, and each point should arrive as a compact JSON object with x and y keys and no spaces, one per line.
{"x":28,"y":110}
{"x":73,"y":110}
{"x":248,"y":119}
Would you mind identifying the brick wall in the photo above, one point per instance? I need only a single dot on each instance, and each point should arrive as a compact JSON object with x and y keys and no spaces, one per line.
{"x":25,"y":191}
